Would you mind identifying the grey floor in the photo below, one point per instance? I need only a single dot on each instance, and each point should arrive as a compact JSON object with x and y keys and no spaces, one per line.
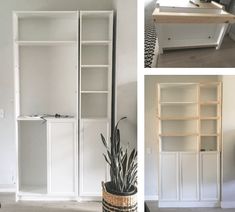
{"x":9,"y":205}
{"x":205,"y":57}
{"x":153,"y":207}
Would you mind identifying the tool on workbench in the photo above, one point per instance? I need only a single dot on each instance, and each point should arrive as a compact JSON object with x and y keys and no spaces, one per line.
{"x":192,"y":2}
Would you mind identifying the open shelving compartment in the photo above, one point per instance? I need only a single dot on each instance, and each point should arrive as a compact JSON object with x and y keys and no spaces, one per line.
{"x":178,"y":117}
{"x":32,"y":157}
{"x":210,"y":117}
{"x":46,"y":72}
{"x":96,"y":35}
{"x":43,"y":26}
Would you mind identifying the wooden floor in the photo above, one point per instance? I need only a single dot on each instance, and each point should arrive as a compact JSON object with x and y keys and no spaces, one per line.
{"x":153,"y":207}
{"x":9,"y":205}
{"x":202,"y":58}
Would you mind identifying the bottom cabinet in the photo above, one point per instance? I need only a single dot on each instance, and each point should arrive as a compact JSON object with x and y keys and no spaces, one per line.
{"x":93,"y":167}
{"x":169,"y":183}
{"x":210,"y":176}
{"x":189,"y":177}
{"x":62,"y":151}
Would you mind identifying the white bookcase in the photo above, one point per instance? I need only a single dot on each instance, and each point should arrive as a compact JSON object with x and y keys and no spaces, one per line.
{"x":96,"y":38}
{"x":189,"y":138}
{"x":63,"y":65}
{"x":46,"y":72}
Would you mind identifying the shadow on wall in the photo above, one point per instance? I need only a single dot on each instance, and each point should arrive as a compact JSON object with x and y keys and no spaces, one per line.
{"x":127,"y":106}
{"x":148,"y":3}
{"x":228,"y":165}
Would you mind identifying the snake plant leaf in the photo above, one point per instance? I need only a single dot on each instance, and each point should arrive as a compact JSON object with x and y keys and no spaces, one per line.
{"x":105,"y":157}
{"x":104,"y":141}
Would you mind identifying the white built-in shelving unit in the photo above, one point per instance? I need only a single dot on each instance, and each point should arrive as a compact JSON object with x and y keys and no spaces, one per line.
{"x":96,"y":38}
{"x":63,"y":65}
{"x":189,"y":136}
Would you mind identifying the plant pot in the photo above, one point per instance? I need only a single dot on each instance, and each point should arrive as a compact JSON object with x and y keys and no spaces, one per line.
{"x":116,"y":202}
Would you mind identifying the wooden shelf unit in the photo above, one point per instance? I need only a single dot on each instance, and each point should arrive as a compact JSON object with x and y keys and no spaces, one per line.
{"x":189,"y":143}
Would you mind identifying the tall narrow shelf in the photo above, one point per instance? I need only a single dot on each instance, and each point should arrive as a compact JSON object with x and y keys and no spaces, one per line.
{"x":96,"y":40}
{"x":46,"y":72}
{"x":189,"y":129}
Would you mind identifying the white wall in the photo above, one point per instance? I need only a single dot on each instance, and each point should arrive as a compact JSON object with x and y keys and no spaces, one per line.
{"x":228,"y":191}
{"x":151,"y":146}
{"x":126,"y":68}
{"x":7,"y":143}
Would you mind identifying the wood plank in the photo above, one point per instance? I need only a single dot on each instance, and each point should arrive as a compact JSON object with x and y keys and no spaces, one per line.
{"x":187,"y":4}
{"x":178,"y":135}
{"x":173,"y":17}
{"x":178,"y":118}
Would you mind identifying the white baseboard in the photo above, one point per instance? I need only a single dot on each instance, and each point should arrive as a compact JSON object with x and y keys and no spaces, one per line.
{"x":232,"y":35}
{"x":7,"y":188}
{"x":151,"y":198}
{"x":225,"y":204}
{"x":188,"y":204}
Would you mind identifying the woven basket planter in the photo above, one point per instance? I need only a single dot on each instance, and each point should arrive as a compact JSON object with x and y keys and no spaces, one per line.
{"x":117,"y":203}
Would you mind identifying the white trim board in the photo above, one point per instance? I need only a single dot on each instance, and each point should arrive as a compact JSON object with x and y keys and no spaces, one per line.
{"x":151,"y":197}
{"x":227,"y":204}
{"x":7,"y":188}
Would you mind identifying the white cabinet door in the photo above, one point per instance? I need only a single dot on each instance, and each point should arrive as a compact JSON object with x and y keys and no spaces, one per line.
{"x":189,"y":177}
{"x":169,"y":180}
{"x":62,"y":157}
{"x":210,"y":166}
{"x":93,"y":167}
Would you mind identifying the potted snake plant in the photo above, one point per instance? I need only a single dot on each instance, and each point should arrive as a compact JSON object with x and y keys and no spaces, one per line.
{"x":120,"y":193}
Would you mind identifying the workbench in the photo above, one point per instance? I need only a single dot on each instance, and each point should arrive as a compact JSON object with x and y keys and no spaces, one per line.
{"x":190,"y":24}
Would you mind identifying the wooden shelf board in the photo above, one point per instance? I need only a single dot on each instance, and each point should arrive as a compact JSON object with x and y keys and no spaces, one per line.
{"x":210,"y":103}
{"x":210,"y":118}
{"x":194,"y":17}
{"x":177,"y":103}
{"x":209,"y":135}
{"x":178,"y":118}
{"x":45,"y":43}
{"x":178,"y":135}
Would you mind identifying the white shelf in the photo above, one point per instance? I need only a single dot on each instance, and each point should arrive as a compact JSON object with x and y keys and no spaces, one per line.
{"x":47,"y":14}
{"x":94,"y":92}
{"x":96,"y":42}
{"x":95,"y":66}
{"x":45,"y":43}
{"x":30,"y":118}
